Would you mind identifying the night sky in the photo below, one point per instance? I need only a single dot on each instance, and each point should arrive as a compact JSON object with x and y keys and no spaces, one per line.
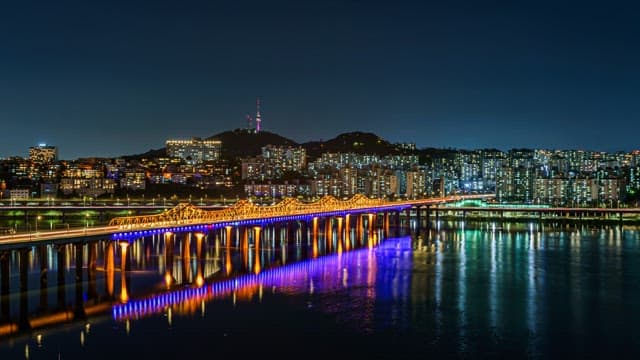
{"x":107,"y":78}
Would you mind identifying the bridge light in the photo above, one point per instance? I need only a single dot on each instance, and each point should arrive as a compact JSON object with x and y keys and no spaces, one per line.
{"x":168,"y":280}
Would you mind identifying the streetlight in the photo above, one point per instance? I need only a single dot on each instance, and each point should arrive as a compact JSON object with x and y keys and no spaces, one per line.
{"x":86,"y":217}
{"x":38,"y":218}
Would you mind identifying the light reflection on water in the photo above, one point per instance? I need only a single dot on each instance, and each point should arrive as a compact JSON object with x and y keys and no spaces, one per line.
{"x":461,"y":290}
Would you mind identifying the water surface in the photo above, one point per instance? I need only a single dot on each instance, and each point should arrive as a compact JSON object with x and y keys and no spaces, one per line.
{"x":456,"y":290}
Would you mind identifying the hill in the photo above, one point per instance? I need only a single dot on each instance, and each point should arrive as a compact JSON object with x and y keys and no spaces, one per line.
{"x":353,"y":142}
{"x":242,"y":143}
{"x":153,"y":153}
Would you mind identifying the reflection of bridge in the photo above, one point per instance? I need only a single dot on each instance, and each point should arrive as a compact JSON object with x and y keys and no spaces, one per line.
{"x":329,"y":267}
{"x":190,"y":259}
{"x":54,"y":260}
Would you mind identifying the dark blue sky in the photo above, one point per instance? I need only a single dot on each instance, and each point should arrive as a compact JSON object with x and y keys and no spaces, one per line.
{"x":105,"y":78}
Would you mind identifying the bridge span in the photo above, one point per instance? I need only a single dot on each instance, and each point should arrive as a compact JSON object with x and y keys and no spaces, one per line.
{"x":187,"y":217}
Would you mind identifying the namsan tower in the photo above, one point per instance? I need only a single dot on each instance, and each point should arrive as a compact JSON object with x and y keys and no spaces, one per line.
{"x":258,"y":118}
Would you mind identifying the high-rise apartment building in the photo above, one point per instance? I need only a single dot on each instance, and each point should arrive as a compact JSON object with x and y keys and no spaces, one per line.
{"x":416,"y":184}
{"x":194,"y":151}
{"x":43,"y":154}
{"x":516,"y":184}
{"x":286,"y":158}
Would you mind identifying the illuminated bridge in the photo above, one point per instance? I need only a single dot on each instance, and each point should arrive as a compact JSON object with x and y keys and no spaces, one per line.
{"x":187,"y":217}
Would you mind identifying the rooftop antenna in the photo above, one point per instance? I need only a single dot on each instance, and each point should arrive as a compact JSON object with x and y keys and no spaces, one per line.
{"x":249,"y":126}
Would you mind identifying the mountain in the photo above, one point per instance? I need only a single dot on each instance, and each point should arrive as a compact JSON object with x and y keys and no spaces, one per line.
{"x":353,"y":142}
{"x":240,"y":143}
{"x":243,"y":143}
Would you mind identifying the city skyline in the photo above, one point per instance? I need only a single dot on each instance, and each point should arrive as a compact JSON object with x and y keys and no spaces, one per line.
{"x":26,"y":151}
{"x":350,"y":178}
{"x":107,"y":79}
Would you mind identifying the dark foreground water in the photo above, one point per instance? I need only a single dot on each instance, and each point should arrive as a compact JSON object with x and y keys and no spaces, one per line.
{"x":460,"y":291}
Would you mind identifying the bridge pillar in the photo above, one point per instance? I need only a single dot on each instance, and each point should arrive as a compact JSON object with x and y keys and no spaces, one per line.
{"x":329,"y":232}
{"x":44,"y":296}
{"x":347,"y":226}
{"x":418,"y":216}
{"x":79,"y":299}
{"x":124,"y":291}
{"x":314,"y":237}
{"x":370,"y":225}
{"x":339,"y":220}
{"x":359,"y":227}
{"x":303,"y":227}
{"x":91,"y":269}
{"x":200,"y":259}
{"x":386,"y":223}
{"x":228,"y":240}
{"x":256,"y":235}
{"x":227,"y":259}
{"x":61,"y":251}
{"x":24,"y":288}
{"x":291,"y":232}
{"x":109,"y":264}
{"x":4,"y":284}
{"x":277,"y":230}
{"x":428,"y":213}
{"x":256,"y":241}
{"x":244,"y":247}
{"x":187,"y":276}
{"x":168,"y":259}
